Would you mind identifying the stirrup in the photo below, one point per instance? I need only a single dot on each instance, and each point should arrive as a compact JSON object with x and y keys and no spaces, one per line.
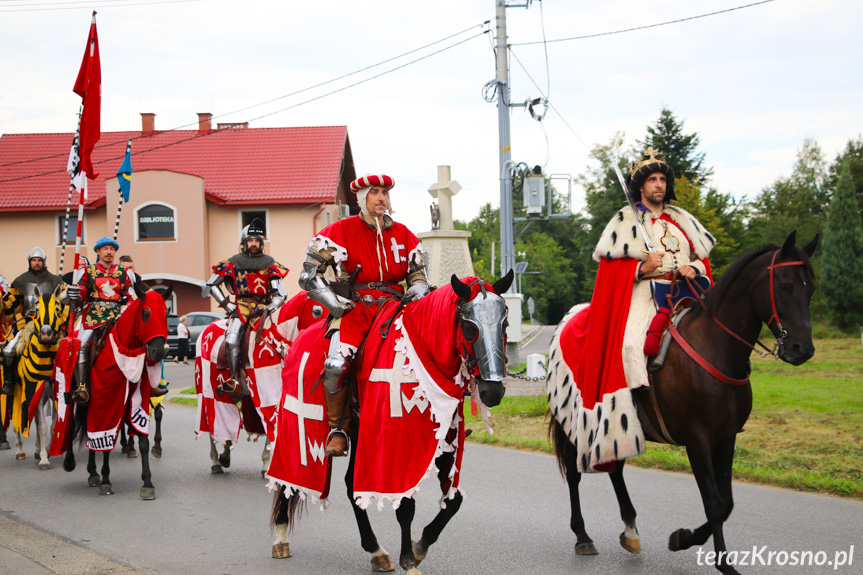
{"x":82,"y":394}
{"x":330,"y":436}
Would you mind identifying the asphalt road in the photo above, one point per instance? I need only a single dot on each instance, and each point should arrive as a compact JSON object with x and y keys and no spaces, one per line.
{"x":515,"y":518}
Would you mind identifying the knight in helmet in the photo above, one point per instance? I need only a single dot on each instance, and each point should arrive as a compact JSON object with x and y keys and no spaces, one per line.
{"x":370,"y":255}
{"x":19,"y":304}
{"x":102,"y":291}
{"x":255,"y":280}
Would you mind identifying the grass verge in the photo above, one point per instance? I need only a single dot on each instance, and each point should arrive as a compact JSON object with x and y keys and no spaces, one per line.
{"x":804,"y":432}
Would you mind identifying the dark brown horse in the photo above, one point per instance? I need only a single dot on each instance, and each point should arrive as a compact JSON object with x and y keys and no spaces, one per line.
{"x":693,"y":408}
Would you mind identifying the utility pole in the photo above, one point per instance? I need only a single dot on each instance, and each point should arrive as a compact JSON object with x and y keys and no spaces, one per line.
{"x":507,"y":242}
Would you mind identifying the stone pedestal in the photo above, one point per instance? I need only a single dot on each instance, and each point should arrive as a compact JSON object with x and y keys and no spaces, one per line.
{"x":446,"y":253}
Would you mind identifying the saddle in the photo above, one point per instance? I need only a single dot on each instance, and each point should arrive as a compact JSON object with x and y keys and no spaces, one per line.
{"x":222,"y":358}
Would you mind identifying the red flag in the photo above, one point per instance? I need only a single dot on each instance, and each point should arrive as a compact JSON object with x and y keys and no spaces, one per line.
{"x":89,"y":87}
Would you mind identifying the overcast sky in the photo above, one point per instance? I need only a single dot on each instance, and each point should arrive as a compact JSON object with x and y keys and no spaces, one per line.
{"x":753,"y":83}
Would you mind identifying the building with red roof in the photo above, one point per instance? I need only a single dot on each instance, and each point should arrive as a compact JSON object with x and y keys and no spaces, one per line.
{"x":192,"y":193}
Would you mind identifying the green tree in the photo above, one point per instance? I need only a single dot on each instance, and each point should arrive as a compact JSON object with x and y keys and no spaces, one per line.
{"x":552,"y":287}
{"x":679,"y":149}
{"x":842,"y":255}
{"x":853,"y":156}
{"x":485,"y":229}
{"x":798,"y":202}
{"x":711,"y":209}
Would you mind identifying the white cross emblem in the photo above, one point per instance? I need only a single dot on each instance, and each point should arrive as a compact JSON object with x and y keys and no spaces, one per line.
{"x":259,"y":283}
{"x":303,"y":410}
{"x":396,"y":377}
{"x":396,"y":247}
{"x":207,"y":338}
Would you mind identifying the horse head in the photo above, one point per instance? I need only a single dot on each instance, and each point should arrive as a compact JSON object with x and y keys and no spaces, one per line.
{"x":792,"y":283}
{"x":482,"y":321}
{"x":50,"y":315}
{"x":145,"y":322}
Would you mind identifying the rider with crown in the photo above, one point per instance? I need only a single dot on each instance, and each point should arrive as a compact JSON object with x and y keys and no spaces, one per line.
{"x":255,"y":279}
{"x":632,"y":282}
{"x":20,"y":306}
{"x":378,"y":254}
{"x":103,"y":289}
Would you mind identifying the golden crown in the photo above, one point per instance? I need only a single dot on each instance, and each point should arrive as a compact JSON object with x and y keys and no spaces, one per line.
{"x":650,"y":156}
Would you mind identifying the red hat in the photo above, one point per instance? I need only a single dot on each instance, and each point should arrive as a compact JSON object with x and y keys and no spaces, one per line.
{"x":368,"y":181}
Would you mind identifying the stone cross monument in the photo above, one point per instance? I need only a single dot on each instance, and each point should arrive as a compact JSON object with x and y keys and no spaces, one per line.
{"x":446,"y":250}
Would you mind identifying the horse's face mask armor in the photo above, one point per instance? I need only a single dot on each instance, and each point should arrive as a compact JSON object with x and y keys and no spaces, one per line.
{"x":482,"y":323}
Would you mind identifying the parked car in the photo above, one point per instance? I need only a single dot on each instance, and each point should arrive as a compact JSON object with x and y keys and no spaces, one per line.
{"x":196,"y":321}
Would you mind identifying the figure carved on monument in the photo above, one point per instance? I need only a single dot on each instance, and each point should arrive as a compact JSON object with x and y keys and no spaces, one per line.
{"x":435,"y":216}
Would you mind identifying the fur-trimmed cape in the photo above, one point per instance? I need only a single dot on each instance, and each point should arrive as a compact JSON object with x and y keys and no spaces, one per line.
{"x":622,"y":238}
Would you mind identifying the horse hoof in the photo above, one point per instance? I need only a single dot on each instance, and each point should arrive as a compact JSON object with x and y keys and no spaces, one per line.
{"x":586,"y":548}
{"x":105,"y":489}
{"x":131,"y":454}
{"x":225,"y":461}
{"x":677,"y":541}
{"x":148,"y":493}
{"x":20,"y":456}
{"x":214,"y":469}
{"x":68,"y":466}
{"x":157,"y":452}
{"x":94,"y":481}
{"x":4,"y":446}
{"x":419,"y":551}
{"x":44,"y":466}
{"x":382,"y":563}
{"x":124,"y":449}
{"x":281,"y":551}
{"x":412,"y":571}
{"x":631,"y":545}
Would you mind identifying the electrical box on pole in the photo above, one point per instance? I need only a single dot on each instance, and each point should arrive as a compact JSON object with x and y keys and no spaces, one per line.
{"x":534,"y":192}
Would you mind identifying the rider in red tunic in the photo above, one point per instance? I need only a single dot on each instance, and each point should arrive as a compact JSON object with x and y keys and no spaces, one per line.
{"x":370,"y":255}
{"x":255,"y":279}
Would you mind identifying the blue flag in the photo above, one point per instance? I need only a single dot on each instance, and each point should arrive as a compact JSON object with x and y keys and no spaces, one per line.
{"x":124,"y":174}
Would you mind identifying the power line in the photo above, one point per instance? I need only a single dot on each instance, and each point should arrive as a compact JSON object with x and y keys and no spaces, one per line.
{"x":196,"y":136}
{"x":342,"y":77}
{"x":644,"y":27}
{"x":89,"y":4}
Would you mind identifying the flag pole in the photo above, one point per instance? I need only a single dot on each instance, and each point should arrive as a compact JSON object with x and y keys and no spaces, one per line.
{"x":120,"y":190}
{"x":76,"y":272}
{"x":72,"y":168}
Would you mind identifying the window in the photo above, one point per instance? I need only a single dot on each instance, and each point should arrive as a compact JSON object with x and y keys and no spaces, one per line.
{"x":71,"y":230}
{"x":247,"y":217}
{"x":156,"y":222}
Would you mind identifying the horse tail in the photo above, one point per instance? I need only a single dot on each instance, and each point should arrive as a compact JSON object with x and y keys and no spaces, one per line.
{"x":563,"y":447}
{"x":294,"y":508}
{"x":80,"y":429}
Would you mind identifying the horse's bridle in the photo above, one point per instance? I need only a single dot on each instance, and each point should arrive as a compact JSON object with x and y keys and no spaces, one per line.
{"x":707,"y":366}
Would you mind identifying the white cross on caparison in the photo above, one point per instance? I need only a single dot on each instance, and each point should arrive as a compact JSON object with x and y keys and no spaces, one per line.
{"x":395,"y":377}
{"x":303,"y":410}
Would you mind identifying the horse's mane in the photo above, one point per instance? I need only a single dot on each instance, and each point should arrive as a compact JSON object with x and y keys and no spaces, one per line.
{"x":715,"y":296}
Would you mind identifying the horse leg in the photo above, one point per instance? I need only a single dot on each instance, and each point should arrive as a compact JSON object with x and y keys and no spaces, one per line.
{"x":432,"y":531}
{"x":225,"y":457}
{"x":124,"y":442}
{"x":105,"y":488}
{"x":629,"y":539}
{"x":157,"y":438}
{"x":281,"y":521}
{"x":380,"y":559}
{"x":722,"y":458}
{"x":19,"y":447}
{"x":215,"y":466}
{"x":583,"y":543}
{"x":94,"y":480}
{"x":703,"y":467}
{"x":405,"y":515}
{"x":265,"y":458}
{"x":4,"y":443}
{"x":130,"y":448}
{"x":45,"y":421}
{"x":148,"y":491}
